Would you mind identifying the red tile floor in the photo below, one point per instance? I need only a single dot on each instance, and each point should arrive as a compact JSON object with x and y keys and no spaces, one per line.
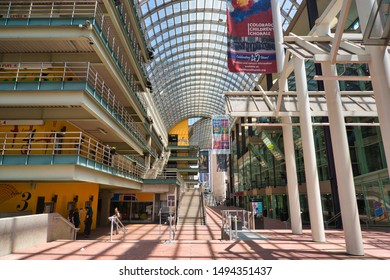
{"x":203,"y":242}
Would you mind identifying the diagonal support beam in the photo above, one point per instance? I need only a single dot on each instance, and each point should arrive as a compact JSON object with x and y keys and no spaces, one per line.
{"x":265,"y":96}
{"x":339,"y":30}
{"x":283,"y":81}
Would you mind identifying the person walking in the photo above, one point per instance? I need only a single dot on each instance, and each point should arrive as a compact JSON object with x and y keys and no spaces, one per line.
{"x":118,"y":217}
{"x":71,"y":216}
{"x":76,"y":218}
{"x":88,"y":222}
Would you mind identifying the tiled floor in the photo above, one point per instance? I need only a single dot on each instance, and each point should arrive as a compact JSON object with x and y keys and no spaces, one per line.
{"x":152,"y":242}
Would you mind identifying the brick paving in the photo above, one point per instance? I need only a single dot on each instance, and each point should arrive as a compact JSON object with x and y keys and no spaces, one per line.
{"x":203,"y":242}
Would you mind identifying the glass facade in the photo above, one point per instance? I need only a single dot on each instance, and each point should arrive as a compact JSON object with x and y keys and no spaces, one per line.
{"x":374,"y":202}
{"x":260,"y":172}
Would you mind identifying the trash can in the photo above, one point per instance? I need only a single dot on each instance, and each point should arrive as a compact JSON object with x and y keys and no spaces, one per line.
{"x":284,"y":216}
{"x":259,"y":221}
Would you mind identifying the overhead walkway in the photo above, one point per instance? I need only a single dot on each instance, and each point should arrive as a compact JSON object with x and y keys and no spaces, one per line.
{"x":275,"y":104}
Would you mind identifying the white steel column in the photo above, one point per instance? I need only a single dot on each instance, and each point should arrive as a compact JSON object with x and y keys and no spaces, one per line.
{"x":292,"y":181}
{"x":105,"y":196}
{"x":278,"y":34}
{"x":288,"y":138}
{"x":309,"y":153}
{"x":380,"y":76}
{"x":342,"y":158}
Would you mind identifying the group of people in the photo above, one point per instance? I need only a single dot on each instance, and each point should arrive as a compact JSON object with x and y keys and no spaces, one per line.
{"x":74,"y":218}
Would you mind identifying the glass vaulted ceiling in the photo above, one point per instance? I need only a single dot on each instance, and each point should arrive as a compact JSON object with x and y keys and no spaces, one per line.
{"x":189,"y":70}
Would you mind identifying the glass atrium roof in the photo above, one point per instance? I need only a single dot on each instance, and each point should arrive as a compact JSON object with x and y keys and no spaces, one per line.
{"x":189,"y":71}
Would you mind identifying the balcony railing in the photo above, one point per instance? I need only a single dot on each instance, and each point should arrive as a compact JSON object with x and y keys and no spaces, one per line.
{"x":129,"y":28}
{"x":31,"y":10}
{"x":32,"y":147}
{"x":74,"y":13}
{"x":47,"y":75}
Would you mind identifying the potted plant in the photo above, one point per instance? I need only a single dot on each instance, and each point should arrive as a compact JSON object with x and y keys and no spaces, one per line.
{"x":238,"y":220}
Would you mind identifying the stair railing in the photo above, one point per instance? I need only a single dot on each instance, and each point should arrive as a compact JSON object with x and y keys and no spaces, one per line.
{"x":118,"y":226}
{"x":69,"y":224}
{"x":201,"y":197}
{"x":332,"y":220}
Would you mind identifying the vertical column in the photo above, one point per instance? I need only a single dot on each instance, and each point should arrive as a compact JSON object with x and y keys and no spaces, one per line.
{"x":292,"y":181}
{"x":312,"y":181}
{"x":288,"y":138}
{"x":324,"y":28}
{"x":380,"y":74}
{"x":105,"y":196}
{"x":348,"y":204}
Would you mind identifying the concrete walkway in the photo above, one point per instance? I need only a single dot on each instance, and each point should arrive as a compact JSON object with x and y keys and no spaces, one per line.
{"x":203,"y":242}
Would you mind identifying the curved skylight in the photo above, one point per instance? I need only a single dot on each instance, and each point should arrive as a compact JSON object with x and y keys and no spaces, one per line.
{"x":189,"y":72}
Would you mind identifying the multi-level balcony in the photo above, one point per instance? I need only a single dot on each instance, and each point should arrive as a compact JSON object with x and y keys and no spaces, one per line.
{"x":82,"y":31}
{"x":70,"y":91}
{"x":62,"y":151}
{"x":94,"y":26}
{"x":185,"y":160}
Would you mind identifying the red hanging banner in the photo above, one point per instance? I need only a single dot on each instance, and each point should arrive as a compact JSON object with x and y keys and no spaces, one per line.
{"x":250,"y":34}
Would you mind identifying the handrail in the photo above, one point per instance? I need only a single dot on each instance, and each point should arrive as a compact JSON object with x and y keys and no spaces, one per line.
{"x":32,"y":143}
{"x":128,"y":27}
{"x":204,"y":218}
{"x":119,"y":226}
{"x":75,"y":230}
{"x":39,"y":9}
{"x":227,"y":216}
{"x":332,"y":219}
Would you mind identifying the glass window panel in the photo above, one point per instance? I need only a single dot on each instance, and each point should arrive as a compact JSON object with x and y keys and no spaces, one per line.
{"x":204,"y":52}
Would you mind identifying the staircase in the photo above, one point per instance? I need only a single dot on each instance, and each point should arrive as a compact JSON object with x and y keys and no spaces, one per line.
{"x":158,"y":166}
{"x":190,"y":210}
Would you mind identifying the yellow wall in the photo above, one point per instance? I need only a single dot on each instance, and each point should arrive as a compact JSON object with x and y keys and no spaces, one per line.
{"x":48,"y":126}
{"x":23,"y":197}
{"x":31,"y":75}
{"x":22,"y":134}
{"x":144,"y":196}
{"x":181,"y":129}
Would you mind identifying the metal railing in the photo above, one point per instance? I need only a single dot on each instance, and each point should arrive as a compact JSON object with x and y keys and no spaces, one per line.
{"x":230,"y":220}
{"x":75,"y":230}
{"x":73,"y":72}
{"x":50,"y":145}
{"x":76,"y":11}
{"x":202,"y":204}
{"x":116,"y":225}
{"x":54,"y":9}
{"x":169,"y":174}
{"x":129,"y":28}
{"x":332,"y":220}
